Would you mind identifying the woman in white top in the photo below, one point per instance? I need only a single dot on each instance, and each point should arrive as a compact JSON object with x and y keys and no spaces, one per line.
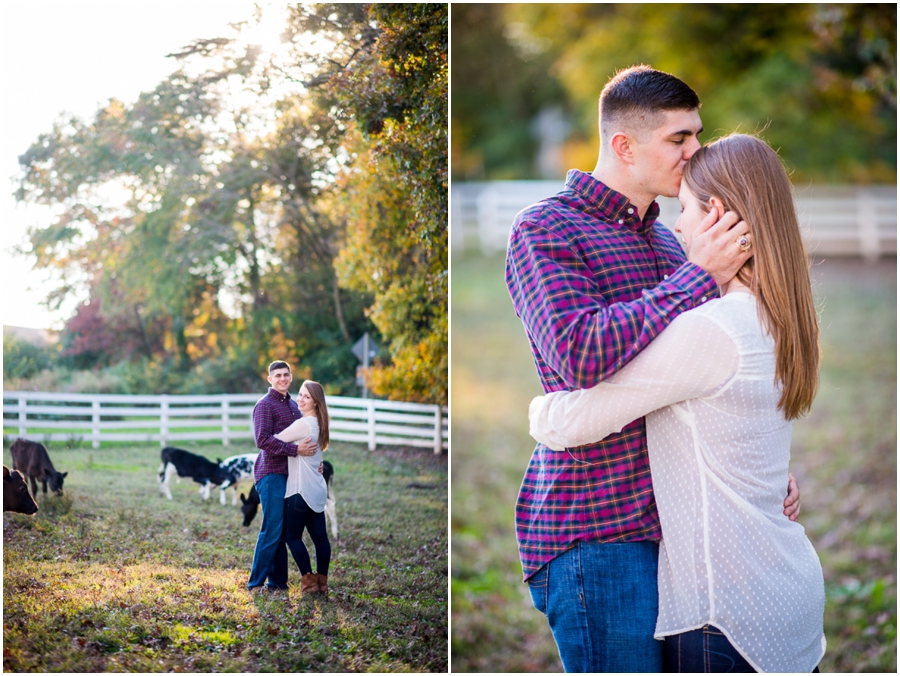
{"x":306,"y":493}
{"x":740,"y":585}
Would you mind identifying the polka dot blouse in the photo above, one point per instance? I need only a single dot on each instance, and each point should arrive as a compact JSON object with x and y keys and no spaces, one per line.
{"x":719,"y":452}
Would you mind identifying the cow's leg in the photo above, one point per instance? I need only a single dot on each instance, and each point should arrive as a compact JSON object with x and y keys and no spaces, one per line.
{"x":165,"y":477}
{"x":234,"y":495}
{"x":33,"y":485}
{"x":331,"y":511}
{"x":222,"y":489}
{"x":204,"y":491}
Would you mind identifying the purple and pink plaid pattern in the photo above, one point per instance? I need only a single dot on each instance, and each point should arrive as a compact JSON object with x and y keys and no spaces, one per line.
{"x":593,"y":285}
{"x":271,"y":415}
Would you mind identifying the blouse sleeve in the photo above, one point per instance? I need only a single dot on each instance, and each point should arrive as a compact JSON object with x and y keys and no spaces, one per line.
{"x":692,"y":358}
{"x":297,"y":430}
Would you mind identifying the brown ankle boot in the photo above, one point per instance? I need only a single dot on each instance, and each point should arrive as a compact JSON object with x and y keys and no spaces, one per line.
{"x":323,"y":583}
{"x":309,"y":583}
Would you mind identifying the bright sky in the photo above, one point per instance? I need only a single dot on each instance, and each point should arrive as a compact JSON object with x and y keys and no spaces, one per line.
{"x":71,"y":57}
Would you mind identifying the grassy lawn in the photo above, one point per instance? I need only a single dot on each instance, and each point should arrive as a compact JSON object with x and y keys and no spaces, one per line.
{"x":844,"y":456}
{"x":114,"y":577}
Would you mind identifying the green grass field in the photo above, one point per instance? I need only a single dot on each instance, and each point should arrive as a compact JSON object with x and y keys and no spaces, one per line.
{"x":114,"y":577}
{"x":844,"y":456}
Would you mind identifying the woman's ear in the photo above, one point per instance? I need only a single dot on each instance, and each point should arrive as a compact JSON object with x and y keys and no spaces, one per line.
{"x":718,"y":205}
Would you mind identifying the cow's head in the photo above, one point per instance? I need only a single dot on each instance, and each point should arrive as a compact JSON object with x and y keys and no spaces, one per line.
{"x":55,"y":481}
{"x":249,"y":507}
{"x":16,"y":497}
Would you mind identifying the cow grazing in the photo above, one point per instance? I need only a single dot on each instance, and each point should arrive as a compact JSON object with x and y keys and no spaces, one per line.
{"x":32,"y":459}
{"x":189,"y":465}
{"x":250,"y":504}
{"x":233,"y":470}
{"x":16,"y":497}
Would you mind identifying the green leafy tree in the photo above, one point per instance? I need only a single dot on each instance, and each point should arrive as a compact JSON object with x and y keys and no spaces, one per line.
{"x":818,"y":81}
{"x":386,"y":85}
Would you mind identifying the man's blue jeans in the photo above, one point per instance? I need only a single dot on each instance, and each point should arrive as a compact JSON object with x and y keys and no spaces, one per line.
{"x":601,"y":602}
{"x":270,"y":557}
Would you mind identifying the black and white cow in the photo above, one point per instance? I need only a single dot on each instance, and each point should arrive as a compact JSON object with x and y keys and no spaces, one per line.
{"x":250,"y":504}
{"x":190,"y":465}
{"x":235,"y":469}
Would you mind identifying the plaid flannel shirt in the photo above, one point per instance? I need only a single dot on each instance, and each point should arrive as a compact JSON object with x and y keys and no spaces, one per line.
{"x":271,"y":415}
{"x":593,"y":285}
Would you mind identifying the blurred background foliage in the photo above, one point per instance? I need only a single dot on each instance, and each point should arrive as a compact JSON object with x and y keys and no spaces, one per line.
{"x":819,"y":81}
{"x":254,"y":207}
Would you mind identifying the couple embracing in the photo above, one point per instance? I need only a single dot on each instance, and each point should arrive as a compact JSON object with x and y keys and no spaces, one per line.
{"x":653,"y":526}
{"x":288,"y":476}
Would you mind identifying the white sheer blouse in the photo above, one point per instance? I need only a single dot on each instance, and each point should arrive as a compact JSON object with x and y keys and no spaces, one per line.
{"x":719,"y":452}
{"x":303,"y":470}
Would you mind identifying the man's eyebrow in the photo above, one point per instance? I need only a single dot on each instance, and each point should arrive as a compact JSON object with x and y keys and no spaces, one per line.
{"x":686,"y":132}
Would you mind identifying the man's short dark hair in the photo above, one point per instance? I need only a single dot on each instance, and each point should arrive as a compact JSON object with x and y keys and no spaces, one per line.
{"x":635,"y":98}
{"x":275,"y":365}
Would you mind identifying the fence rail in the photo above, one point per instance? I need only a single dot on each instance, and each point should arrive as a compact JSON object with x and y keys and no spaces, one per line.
{"x":54,"y":416}
{"x":835,"y":220}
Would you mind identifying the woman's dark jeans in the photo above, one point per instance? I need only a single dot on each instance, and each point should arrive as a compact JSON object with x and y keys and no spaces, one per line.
{"x":297,"y":516}
{"x":705,"y":650}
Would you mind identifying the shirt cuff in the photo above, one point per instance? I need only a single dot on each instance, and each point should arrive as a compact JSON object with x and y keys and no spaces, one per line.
{"x":694,"y":280}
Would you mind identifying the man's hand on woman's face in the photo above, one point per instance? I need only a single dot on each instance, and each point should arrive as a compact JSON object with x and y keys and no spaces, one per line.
{"x":714,"y":245}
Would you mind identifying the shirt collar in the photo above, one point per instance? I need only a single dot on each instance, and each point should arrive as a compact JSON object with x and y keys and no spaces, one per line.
{"x":609,"y":205}
{"x":277,"y":396}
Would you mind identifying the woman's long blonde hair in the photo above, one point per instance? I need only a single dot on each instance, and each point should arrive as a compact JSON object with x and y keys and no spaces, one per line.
{"x":317,"y":392}
{"x":747,"y":175}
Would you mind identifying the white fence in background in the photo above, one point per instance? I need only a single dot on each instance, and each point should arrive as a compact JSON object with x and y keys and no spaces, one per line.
{"x":835,"y":220}
{"x":56,"y":416}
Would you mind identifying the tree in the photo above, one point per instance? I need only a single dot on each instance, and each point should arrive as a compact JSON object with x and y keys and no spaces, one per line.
{"x":818,"y":82}
{"x":386,"y":85}
{"x":212,"y":205}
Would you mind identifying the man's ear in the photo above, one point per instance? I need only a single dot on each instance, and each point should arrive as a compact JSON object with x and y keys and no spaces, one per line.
{"x":622,"y":145}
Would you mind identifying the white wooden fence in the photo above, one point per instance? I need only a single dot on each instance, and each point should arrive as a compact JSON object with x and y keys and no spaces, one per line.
{"x":53,"y":416}
{"x":835,"y":220}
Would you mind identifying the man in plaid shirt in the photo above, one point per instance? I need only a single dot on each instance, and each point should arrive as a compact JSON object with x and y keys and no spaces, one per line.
{"x":594,"y":278}
{"x":271,"y":415}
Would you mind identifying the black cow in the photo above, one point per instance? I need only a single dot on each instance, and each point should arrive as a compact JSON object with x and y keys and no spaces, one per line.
{"x":16,"y":497}
{"x":250,"y":504}
{"x":190,"y":465}
{"x":32,"y":459}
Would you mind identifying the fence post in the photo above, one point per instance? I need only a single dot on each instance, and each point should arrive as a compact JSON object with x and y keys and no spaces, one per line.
{"x":226,"y":427}
{"x":163,"y":420}
{"x":868,"y":224}
{"x":438,"y":428}
{"x":23,"y":417}
{"x":370,"y":406}
{"x":95,"y":423}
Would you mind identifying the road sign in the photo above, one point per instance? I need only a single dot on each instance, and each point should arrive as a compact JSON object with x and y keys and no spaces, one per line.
{"x":364,"y":345}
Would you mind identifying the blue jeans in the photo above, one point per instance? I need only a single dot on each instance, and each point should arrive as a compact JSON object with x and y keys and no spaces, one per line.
{"x":270,"y":557}
{"x":705,"y":651}
{"x":601,"y":603}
